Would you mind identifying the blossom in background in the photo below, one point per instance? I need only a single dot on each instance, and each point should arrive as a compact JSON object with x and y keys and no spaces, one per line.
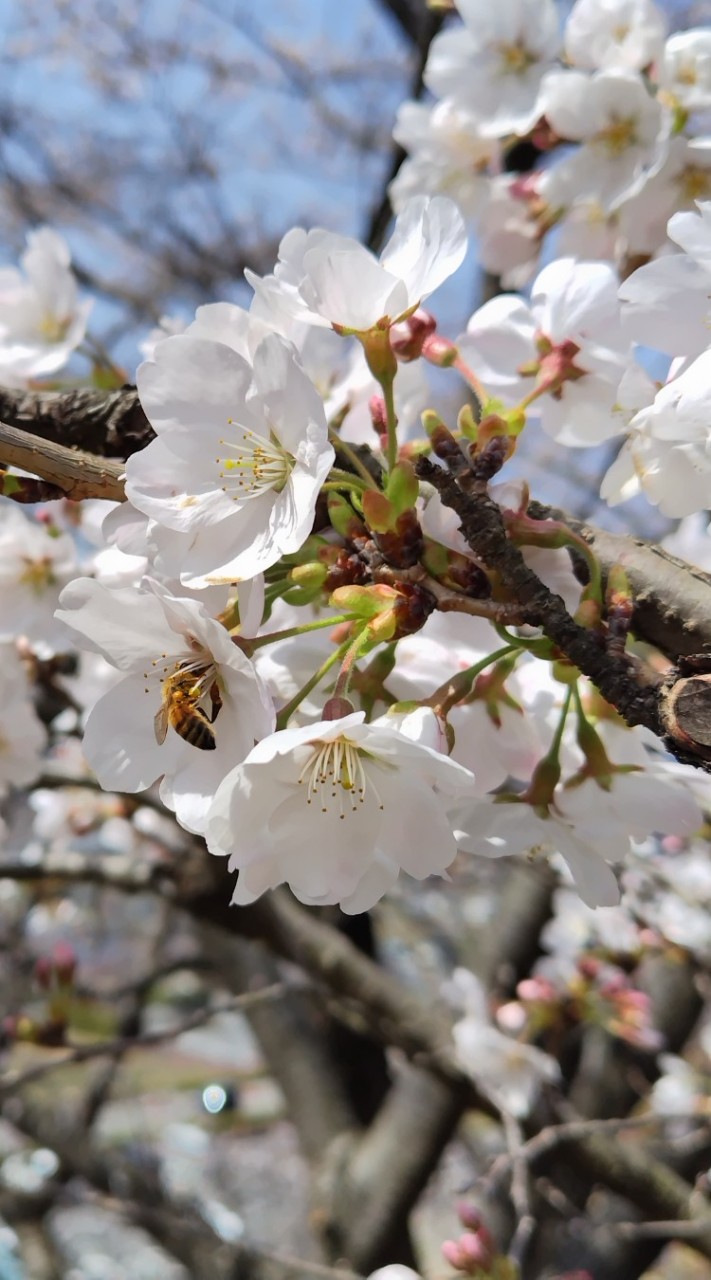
{"x":447,"y":155}
{"x":614,"y":34}
{"x":332,"y":280}
{"x":666,"y":304}
{"x":508,"y":1070}
{"x":667,"y":454}
{"x":395,"y":1271}
{"x":494,"y":828}
{"x":620,"y":125}
{"x":42,"y":319}
{"x":150,"y":637}
{"x":494,"y":65}
{"x":685,"y":70}
{"x":335,"y":810}
{"x":590,"y":818}
{"x":678,"y":183}
{"x":35,"y":563}
{"x":240,"y":455}
{"x":567,"y":343}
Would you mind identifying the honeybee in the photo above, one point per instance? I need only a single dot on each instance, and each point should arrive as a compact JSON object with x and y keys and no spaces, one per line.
{"x":180,"y":708}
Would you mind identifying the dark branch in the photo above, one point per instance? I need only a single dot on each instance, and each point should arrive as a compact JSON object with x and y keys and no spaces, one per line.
{"x":110,"y":424}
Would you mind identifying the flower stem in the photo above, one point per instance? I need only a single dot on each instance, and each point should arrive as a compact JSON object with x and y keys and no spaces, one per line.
{"x":291,"y":706}
{"x":303,"y":628}
{"x":554,"y":749}
{"x":359,"y":467}
{"x":351,"y":655}
{"x":458,"y":686}
{"x":388,"y":386}
{"x":470,"y":377}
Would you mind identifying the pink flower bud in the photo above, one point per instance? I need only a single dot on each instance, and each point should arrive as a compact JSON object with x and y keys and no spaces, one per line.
{"x":477,"y":1249}
{"x":539,"y":990}
{"x":439,"y":351}
{"x":407,"y":337}
{"x":378,"y":415}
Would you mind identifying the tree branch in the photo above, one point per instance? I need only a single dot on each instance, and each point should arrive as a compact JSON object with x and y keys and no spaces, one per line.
{"x":672,"y":599}
{"x":483,"y":528}
{"x":77,"y":474}
{"x":110,"y":424}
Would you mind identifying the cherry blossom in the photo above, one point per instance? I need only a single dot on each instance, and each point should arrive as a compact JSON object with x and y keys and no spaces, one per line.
{"x":394,"y":1271}
{"x":622,"y":129}
{"x":331,"y":280}
{"x":567,"y":345}
{"x":239,"y":458}
{"x":43,"y":320}
{"x":609,"y":34}
{"x":587,"y":814}
{"x":335,"y":810}
{"x":447,"y":155}
{"x":495,"y":829}
{"x":495,"y":66}
{"x":667,"y":453}
{"x":36,"y":561}
{"x":508,"y":1070}
{"x":151,"y":636}
{"x":685,"y":70}
{"x":678,"y":183}
{"x":665,"y":304}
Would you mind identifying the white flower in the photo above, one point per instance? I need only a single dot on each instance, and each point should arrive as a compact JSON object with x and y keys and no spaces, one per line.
{"x":153,"y":638}
{"x":621,"y":126}
{"x":448,"y":155}
{"x":329,"y":279}
{"x":509,"y":1071}
{"x":494,"y":66}
{"x":41,"y":317}
{"x":508,"y":233}
{"x":607,"y":34}
{"x":685,"y":70}
{"x":589,"y":821}
{"x":395,"y":1271}
{"x":587,"y":232}
{"x":34,"y":566}
{"x":239,"y":458}
{"x":680,"y":1091}
{"x":494,"y":829}
{"x":667,"y":453}
{"x":666,"y":304}
{"x":682,"y":180}
{"x":335,"y":810}
{"x":569,"y":341}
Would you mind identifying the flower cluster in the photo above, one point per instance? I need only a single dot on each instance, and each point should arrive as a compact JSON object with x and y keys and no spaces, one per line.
{"x":284,"y":625}
{"x":592,"y":133}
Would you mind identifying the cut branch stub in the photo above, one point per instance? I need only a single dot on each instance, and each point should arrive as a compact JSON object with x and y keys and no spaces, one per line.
{"x":686,"y":708}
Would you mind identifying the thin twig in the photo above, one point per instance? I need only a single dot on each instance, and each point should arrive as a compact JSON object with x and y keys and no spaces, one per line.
{"x":14,"y":1080}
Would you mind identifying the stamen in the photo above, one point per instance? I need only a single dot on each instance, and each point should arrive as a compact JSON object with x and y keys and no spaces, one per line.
{"x":337,"y":768}
{"x":261,"y":464}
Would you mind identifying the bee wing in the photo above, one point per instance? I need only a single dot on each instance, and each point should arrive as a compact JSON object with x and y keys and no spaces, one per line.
{"x":160,"y":723}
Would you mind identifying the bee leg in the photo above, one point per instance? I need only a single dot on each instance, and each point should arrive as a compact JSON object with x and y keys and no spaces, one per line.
{"x":216,"y":698}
